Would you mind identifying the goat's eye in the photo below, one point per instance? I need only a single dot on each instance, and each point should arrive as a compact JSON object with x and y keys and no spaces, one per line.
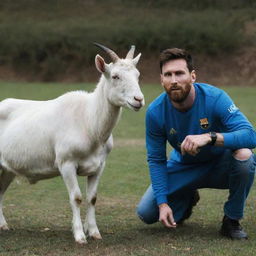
{"x":115,"y":77}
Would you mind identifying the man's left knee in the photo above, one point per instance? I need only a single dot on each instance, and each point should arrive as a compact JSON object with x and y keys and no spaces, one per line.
{"x":243,"y":163}
{"x":242,"y":154}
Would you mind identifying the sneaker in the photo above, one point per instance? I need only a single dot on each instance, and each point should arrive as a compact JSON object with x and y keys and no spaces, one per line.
{"x":232,"y":229}
{"x":194,"y":200}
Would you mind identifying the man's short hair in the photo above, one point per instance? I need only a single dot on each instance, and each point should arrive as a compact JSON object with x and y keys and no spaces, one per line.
{"x":174,"y":54}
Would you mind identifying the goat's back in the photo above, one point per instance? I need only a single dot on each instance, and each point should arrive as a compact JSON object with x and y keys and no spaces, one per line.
{"x":30,"y":130}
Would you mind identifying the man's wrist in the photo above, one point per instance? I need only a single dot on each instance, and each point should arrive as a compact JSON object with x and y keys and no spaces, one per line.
{"x":163,"y":205}
{"x":213,"y":138}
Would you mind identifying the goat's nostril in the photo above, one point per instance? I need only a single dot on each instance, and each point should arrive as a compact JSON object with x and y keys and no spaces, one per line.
{"x":138,"y":98}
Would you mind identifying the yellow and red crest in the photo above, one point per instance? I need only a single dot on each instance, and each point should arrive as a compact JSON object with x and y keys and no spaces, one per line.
{"x":204,"y":123}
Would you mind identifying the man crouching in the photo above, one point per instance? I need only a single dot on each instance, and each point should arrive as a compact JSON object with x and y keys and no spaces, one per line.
{"x":212,"y":142}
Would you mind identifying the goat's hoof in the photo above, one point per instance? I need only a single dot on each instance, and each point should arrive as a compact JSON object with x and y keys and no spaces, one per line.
{"x":4,"y":227}
{"x":96,"y":236}
{"x":81,"y":241}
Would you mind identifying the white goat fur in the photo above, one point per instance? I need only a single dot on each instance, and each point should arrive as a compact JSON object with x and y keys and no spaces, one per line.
{"x":68,"y":136}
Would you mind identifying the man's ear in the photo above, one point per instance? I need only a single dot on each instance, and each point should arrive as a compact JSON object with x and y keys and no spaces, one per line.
{"x":193,"y":76}
{"x":161,"y":79}
{"x":100,"y":64}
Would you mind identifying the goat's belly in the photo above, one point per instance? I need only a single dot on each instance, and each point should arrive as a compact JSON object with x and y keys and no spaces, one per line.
{"x":36,"y":175}
{"x":33,"y":168}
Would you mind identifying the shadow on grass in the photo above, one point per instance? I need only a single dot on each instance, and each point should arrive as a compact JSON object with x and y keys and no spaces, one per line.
{"x":190,"y":231}
{"x":20,"y":239}
{"x":35,"y":235}
{"x":136,"y":236}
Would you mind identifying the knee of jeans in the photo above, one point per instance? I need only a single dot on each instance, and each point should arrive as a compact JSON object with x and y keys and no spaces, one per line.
{"x":242,"y":154}
{"x":244,"y":168}
{"x":146,"y":216}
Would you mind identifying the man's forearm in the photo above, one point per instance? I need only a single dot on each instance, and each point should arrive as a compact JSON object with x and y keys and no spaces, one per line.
{"x":159,"y":179}
{"x":244,"y":138}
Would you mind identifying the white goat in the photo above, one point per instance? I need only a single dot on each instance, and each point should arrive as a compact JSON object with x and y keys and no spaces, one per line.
{"x":68,"y":136}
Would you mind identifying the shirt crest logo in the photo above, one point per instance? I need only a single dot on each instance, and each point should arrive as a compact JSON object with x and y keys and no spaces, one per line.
{"x":173,"y":131}
{"x":204,"y":123}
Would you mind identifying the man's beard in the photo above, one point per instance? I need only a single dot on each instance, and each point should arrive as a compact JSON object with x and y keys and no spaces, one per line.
{"x":179,"y":94}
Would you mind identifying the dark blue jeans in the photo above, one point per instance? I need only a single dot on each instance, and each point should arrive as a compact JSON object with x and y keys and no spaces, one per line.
{"x":226,"y":173}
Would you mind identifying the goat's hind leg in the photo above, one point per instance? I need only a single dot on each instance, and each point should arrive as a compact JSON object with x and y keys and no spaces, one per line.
{"x":5,"y":180}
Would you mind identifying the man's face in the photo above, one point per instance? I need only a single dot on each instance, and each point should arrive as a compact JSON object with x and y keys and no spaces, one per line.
{"x":177,"y":80}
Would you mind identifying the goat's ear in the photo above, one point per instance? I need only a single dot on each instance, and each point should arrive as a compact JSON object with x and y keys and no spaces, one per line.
{"x":136,"y":59}
{"x":100,"y":64}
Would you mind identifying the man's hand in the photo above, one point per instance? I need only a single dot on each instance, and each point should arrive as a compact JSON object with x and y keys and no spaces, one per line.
{"x":166,"y":216}
{"x":192,"y":143}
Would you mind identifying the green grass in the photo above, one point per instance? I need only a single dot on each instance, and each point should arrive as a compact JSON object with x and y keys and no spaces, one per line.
{"x":40,"y":217}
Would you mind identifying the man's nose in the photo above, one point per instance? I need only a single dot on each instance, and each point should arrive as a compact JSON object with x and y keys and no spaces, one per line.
{"x":173,"y":79}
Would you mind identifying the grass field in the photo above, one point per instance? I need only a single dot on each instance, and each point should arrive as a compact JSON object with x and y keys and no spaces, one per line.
{"x":39,"y":216}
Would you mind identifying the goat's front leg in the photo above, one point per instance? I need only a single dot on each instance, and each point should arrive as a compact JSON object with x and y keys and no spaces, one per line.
{"x":90,"y":225}
{"x":5,"y":180}
{"x":68,"y":172}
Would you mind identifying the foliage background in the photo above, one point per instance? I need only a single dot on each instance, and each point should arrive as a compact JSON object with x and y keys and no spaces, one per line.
{"x":44,"y":40}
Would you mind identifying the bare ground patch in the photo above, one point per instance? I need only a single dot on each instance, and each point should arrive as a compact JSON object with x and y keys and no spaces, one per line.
{"x":114,"y":202}
{"x":129,"y":142}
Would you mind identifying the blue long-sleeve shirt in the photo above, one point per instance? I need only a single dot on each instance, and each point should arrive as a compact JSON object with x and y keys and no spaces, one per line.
{"x":212,"y":110}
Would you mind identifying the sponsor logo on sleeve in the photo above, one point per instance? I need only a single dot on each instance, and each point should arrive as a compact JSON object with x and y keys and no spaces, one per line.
{"x":233,"y":108}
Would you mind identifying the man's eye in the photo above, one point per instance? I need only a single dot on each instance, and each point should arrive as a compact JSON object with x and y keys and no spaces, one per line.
{"x":115,"y":77}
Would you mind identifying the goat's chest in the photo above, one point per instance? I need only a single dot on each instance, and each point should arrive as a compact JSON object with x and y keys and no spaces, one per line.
{"x":92,"y":163}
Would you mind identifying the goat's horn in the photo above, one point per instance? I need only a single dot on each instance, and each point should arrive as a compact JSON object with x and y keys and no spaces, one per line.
{"x":131,"y":52}
{"x":114,"y":57}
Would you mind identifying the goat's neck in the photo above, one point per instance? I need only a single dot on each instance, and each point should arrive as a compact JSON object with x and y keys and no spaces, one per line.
{"x":105,"y":115}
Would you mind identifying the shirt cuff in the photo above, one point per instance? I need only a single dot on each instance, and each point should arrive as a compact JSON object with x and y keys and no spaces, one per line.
{"x":161,"y":199}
